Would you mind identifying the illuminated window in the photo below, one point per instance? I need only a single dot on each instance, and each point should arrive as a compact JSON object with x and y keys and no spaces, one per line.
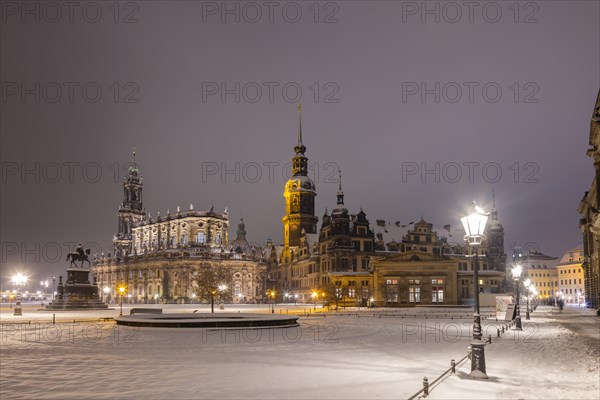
{"x":437,"y":294}
{"x":414,"y":294}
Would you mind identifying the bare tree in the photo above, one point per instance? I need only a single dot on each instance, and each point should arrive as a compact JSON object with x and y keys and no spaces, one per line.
{"x":332,"y":293}
{"x":212,"y":284}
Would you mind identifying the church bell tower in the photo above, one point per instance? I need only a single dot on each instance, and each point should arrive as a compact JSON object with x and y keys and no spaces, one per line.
{"x":299,"y":193}
{"x":131,"y":210}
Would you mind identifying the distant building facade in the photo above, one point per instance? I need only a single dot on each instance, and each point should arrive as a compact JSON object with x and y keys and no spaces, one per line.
{"x":387,"y":264}
{"x":571,"y":280}
{"x":541,"y":270}
{"x":589,"y":224}
{"x":157,"y":259}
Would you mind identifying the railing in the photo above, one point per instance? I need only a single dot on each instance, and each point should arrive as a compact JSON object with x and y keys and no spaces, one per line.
{"x":428,"y":386}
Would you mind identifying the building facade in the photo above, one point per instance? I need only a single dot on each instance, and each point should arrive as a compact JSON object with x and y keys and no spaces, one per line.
{"x":571,"y":280}
{"x":589,"y":224}
{"x":158,"y":259}
{"x":353,"y":261}
{"x":415,"y":278}
{"x":541,"y":270}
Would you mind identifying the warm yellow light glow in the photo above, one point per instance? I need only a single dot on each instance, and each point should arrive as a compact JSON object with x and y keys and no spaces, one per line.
{"x":122,"y":289}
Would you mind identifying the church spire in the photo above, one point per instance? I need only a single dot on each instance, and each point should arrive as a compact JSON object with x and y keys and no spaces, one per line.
{"x":494,"y":213}
{"x":299,"y":123}
{"x":300,"y":162}
{"x":133,"y":168}
{"x":300,"y":149}
{"x":340,"y":193}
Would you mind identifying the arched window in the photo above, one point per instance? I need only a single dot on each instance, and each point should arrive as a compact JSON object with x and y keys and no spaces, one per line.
{"x":218,"y":239}
{"x":184,"y":240}
{"x":200,"y":239}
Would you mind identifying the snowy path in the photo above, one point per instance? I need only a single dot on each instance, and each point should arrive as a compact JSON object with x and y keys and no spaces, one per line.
{"x":334,"y":357}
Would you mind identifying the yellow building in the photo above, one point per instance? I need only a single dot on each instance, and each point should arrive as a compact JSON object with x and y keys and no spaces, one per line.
{"x":541,"y":270}
{"x":413,"y":278}
{"x":571,"y":277}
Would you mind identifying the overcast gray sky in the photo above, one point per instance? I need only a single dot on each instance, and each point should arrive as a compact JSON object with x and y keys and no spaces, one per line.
{"x":483,"y":96}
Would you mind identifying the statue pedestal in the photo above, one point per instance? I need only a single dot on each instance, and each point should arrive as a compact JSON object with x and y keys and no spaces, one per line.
{"x":77,"y":293}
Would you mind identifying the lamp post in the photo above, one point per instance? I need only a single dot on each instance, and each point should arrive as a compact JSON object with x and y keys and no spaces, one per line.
{"x":527,"y":285}
{"x":271,"y":294}
{"x":122,"y":291}
{"x":516,"y":271}
{"x":19,"y":280}
{"x":474,"y":225}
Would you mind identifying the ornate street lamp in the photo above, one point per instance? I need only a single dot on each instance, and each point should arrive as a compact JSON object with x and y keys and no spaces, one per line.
{"x":122,"y":291}
{"x":516,"y":272}
{"x":271,"y":294}
{"x":527,"y":285}
{"x":474,"y":225}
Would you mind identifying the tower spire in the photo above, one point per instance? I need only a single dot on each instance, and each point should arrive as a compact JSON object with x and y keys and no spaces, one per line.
{"x":299,"y":148}
{"x":340,"y":193}
{"x":299,"y":123}
{"x":133,"y":169}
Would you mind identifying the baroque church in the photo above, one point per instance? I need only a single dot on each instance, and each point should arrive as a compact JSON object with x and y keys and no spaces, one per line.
{"x":157,"y":259}
{"x":353,"y":263}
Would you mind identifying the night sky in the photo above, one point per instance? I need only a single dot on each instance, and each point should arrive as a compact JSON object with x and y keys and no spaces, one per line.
{"x":503,"y":91}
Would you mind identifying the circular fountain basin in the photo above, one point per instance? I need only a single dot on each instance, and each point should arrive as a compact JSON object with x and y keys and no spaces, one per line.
{"x":220,"y":320}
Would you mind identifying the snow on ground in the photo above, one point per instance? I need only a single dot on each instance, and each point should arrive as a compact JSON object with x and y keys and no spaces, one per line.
{"x":337,"y":356}
{"x":546,"y":361}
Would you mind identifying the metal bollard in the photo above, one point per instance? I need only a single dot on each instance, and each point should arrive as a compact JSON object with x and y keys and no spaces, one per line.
{"x":453,"y":365}
{"x":53,"y":319}
{"x":498,"y":332}
{"x":425,"y":386}
{"x":490,"y":338}
{"x":502,"y":328}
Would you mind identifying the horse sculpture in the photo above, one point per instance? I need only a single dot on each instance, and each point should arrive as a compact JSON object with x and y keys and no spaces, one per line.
{"x":79,"y":255}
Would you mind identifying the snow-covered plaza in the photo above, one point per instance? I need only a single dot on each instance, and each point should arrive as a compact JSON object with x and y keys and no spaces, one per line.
{"x":354,"y":354}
